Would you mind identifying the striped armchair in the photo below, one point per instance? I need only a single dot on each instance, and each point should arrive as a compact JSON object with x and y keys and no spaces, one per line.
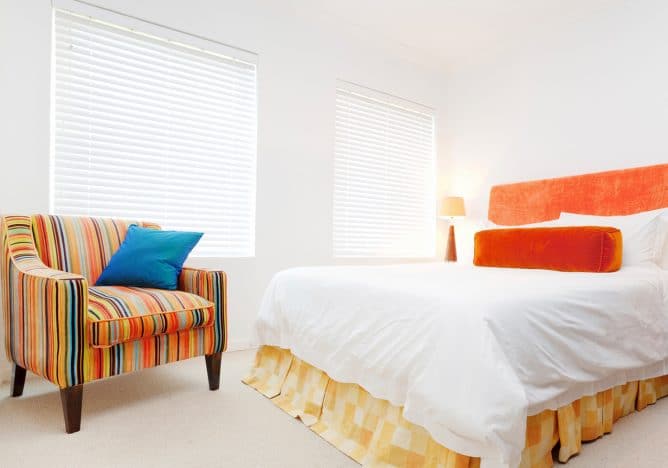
{"x":60,"y":327}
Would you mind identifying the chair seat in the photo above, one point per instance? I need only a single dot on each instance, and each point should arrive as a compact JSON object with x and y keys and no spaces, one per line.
{"x":117,"y":314}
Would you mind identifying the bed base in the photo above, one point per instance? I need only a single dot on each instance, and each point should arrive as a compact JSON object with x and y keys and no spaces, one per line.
{"x":373,"y":432}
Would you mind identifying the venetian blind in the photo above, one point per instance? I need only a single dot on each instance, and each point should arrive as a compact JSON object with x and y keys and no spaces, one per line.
{"x":384,"y":182}
{"x":152,"y":129}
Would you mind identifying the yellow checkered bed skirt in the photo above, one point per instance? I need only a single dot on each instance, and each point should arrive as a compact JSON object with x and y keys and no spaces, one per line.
{"x":374,"y":433}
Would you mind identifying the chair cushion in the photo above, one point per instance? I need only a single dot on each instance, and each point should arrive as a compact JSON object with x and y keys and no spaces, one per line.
{"x":117,"y":314}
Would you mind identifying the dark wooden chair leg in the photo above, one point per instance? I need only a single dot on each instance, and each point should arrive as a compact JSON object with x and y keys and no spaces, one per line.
{"x":71,"y":398}
{"x":18,"y":380}
{"x":213,"y":369}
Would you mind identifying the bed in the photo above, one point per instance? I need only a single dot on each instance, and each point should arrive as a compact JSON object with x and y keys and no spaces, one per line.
{"x":454,"y":365}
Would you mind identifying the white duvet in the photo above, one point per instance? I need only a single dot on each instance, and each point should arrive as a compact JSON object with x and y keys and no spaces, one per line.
{"x":470,"y":352}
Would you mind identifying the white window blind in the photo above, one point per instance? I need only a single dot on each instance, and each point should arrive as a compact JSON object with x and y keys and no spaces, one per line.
{"x":151,"y":129}
{"x":384,"y":182}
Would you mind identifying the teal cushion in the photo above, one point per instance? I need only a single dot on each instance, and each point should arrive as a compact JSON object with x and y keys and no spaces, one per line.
{"x":149,"y":258}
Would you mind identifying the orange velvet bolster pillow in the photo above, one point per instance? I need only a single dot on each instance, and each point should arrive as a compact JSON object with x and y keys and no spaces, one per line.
{"x":578,"y":248}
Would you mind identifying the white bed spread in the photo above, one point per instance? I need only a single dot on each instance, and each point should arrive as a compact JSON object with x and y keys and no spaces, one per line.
{"x":470,"y":352}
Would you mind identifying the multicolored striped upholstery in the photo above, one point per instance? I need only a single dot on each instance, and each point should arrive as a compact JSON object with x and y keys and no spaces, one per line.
{"x":79,"y":245}
{"x":47,"y":264}
{"x":154,"y":351}
{"x":43,"y":309}
{"x":117,"y":314}
{"x":212,"y":286}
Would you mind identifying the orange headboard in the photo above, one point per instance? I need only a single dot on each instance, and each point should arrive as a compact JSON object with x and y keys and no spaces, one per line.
{"x":620,"y":192}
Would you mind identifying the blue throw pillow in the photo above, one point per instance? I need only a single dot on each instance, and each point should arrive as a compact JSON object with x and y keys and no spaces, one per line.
{"x":149,"y":258}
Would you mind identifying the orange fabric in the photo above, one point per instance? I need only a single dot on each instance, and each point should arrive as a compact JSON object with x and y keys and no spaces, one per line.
{"x":621,"y":192}
{"x":578,"y":248}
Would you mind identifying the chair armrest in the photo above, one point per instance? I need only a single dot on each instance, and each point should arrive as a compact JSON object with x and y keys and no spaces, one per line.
{"x":212,"y":286}
{"x":44,"y":309}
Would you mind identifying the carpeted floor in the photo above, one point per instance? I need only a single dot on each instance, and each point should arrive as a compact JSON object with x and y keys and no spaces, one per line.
{"x":167,"y":417}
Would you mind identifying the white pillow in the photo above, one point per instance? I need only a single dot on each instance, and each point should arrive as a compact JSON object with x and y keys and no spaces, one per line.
{"x":663,"y":222}
{"x":643,"y":235}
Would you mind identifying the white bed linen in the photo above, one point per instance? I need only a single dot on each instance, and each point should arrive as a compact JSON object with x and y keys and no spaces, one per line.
{"x":470,"y":352}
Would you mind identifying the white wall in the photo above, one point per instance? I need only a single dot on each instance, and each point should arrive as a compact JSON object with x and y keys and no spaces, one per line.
{"x":592,"y":96}
{"x":299,"y":62}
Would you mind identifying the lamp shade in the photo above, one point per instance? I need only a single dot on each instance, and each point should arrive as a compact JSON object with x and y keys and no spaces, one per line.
{"x":452,"y":206}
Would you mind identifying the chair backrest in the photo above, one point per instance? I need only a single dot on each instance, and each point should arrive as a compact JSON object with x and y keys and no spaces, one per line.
{"x":79,"y":245}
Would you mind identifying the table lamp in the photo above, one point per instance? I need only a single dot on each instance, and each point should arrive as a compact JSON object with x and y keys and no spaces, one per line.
{"x":451,"y":208}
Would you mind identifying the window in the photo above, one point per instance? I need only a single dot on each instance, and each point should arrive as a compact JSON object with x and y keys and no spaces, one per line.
{"x":384,"y":181}
{"x":151,"y":128}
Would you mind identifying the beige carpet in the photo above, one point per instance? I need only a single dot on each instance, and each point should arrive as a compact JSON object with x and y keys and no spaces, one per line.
{"x":167,"y":417}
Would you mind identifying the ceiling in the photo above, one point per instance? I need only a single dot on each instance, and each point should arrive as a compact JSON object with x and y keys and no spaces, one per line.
{"x":445,"y":33}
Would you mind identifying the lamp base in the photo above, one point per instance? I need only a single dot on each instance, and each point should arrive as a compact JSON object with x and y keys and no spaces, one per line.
{"x":451,"y":250}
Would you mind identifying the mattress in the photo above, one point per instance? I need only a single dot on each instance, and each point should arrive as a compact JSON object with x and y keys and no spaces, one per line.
{"x":471,"y":352}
